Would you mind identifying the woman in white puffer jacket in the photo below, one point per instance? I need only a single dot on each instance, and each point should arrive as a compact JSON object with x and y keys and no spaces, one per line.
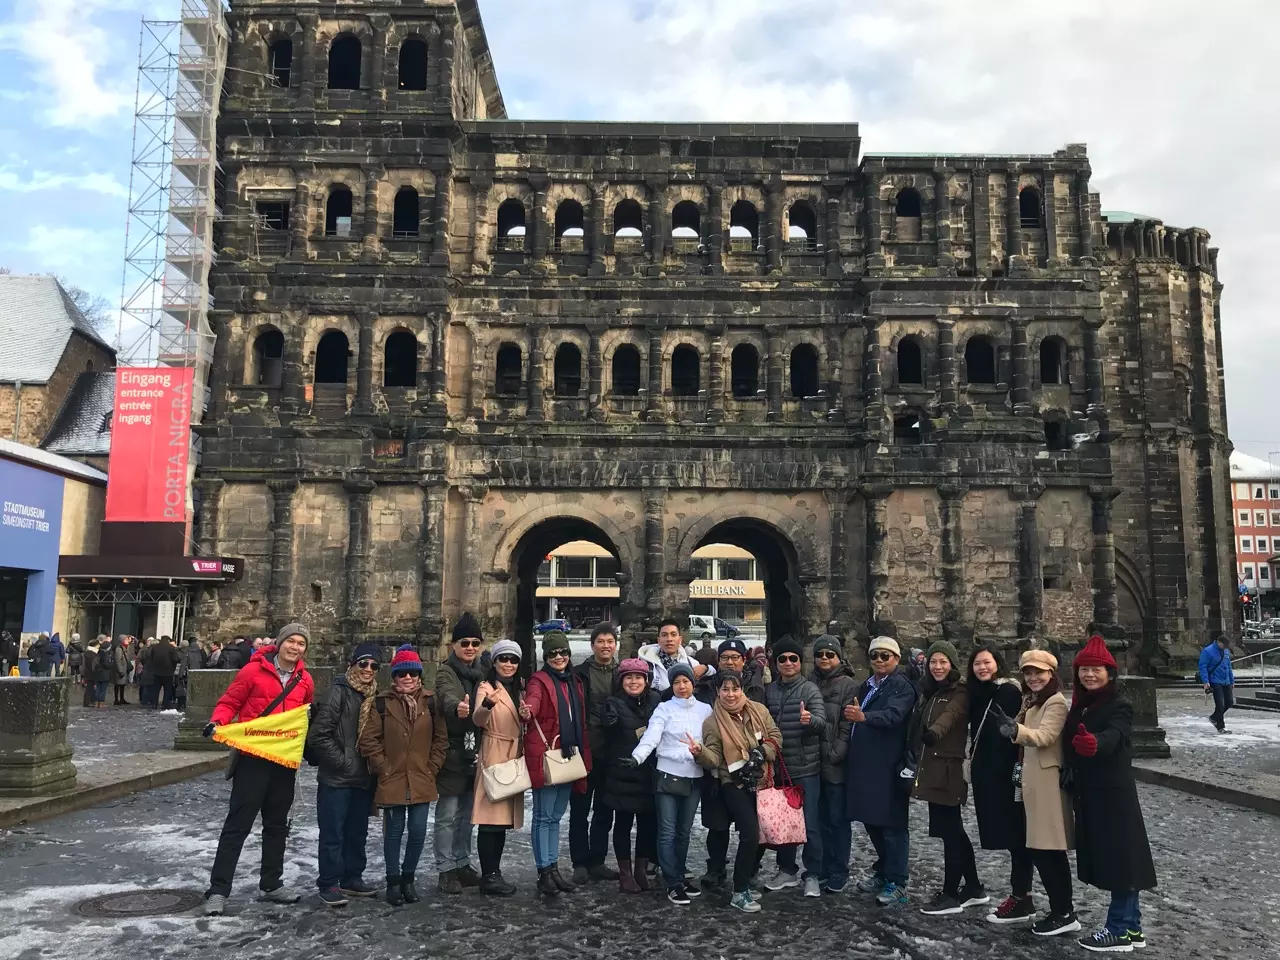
{"x":675,"y":731}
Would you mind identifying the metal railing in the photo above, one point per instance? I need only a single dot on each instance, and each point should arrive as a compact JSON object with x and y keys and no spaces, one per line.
{"x":1238,"y":662}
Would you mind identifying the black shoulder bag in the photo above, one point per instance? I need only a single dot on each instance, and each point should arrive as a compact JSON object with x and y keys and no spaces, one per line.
{"x":234,"y":759}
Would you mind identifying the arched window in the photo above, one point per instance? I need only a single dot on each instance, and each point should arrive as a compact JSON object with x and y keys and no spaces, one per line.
{"x":626,"y":371}
{"x":980,"y":361}
{"x":413,"y":63}
{"x":804,"y":225}
{"x":1053,"y":365}
{"x":908,"y":428}
{"x":568,"y":370}
{"x":280,"y":62}
{"x":744,"y":222}
{"x":910,"y":362}
{"x":511,"y":218}
{"x":509,"y":372}
{"x":628,"y":219}
{"x":685,"y":371}
{"x":337,"y":212}
{"x":332,"y":355}
{"x":908,"y":203}
{"x":686,"y":221}
{"x":268,"y":359}
{"x":744,"y":371}
{"x":400,"y":360}
{"x":1029,"y":207}
{"x":406,"y":218}
{"x":804,"y":371}
{"x":344,"y":63}
{"x":569,"y":226}
{"x":1057,"y":434}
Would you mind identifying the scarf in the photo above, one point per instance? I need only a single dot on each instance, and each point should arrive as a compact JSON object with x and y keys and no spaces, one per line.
{"x":569,"y":710}
{"x":668,"y":660}
{"x":408,"y":700}
{"x":1082,"y":701}
{"x":511,"y":684}
{"x":738,"y":731}
{"x":366,"y":690}
{"x":1032,"y":699}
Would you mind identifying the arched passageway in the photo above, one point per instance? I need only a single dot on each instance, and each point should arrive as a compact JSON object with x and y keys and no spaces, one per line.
{"x":776,"y":564}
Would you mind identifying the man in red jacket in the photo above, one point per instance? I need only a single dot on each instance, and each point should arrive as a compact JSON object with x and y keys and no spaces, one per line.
{"x":260,"y":786}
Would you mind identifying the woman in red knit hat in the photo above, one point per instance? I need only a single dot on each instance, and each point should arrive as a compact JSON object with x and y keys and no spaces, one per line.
{"x":1112,"y":852}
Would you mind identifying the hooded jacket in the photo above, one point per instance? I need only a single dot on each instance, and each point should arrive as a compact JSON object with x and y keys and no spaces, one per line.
{"x":38,"y":655}
{"x":625,"y":720}
{"x":671,"y":723}
{"x":254,"y":687}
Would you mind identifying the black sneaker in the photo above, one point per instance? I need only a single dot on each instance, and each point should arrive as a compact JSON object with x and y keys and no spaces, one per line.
{"x":1055,"y":925}
{"x":691,"y":887}
{"x":332,"y":897}
{"x":1104,"y":941}
{"x":943,"y":904}
{"x":973,"y":896}
{"x":712,"y":881}
{"x":1137,"y":940}
{"x":358,"y":889}
{"x":678,"y":896}
{"x":1013,"y":910}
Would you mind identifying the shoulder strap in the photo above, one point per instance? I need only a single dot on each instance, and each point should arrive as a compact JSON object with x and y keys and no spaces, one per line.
{"x":380,"y":704}
{"x":284,"y":693}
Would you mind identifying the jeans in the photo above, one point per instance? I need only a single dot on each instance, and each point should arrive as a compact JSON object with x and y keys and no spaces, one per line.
{"x":452,"y":836}
{"x":343,"y":815}
{"x":958,"y":864}
{"x":675,"y":823}
{"x":588,"y":829}
{"x":259,"y":786}
{"x":812,"y":831}
{"x":1124,"y":914}
{"x":549,"y":805}
{"x":1223,"y":700}
{"x":646,"y":835}
{"x":100,"y":692}
{"x":893,"y":845}
{"x":837,"y":835}
{"x":393,"y":823}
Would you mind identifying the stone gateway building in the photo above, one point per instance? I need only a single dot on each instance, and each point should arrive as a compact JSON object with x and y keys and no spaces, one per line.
{"x":936,"y":396}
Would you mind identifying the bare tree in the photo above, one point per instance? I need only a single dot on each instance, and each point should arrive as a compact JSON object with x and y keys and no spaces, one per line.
{"x":96,"y":308}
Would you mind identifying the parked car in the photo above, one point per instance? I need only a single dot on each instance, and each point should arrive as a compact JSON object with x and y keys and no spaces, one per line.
{"x":560,"y":623}
{"x":706,"y":628}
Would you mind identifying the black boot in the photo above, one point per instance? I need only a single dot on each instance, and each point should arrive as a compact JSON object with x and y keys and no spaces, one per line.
{"x":493,"y":885}
{"x":407,"y":889}
{"x":546,"y":885}
{"x":394,"y":895}
{"x":563,"y":885}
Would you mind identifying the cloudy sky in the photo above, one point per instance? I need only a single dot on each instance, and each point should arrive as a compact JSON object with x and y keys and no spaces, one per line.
{"x":1175,"y":98}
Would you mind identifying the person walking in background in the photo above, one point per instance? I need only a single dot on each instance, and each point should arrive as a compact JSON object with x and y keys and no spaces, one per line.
{"x":799,"y":710}
{"x":554,"y":709}
{"x":405,"y":741}
{"x":627,"y":788}
{"x":1038,"y":784}
{"x":1218,"y":679}
{"x":1112,"y":851}
{"x":148,"y":690}
{"x":165,"y":660}
{"x":498,"y":715}
{"x":589,"y":828}
{"x":75,"y":657}
{"x":97,"y":670}
{"x":119,"y":670}
{"x":835,"y":679}
{"x":38,"y":656}
{"x":8,"y":651}
{"x":1002,"y":823}
{"x":456,"y":683}
{"x":344,"y":788}
{"x":940,"y":732}
{"x":876,"y":794}
{"x":275,"y":681}
{"x":57,"y":655}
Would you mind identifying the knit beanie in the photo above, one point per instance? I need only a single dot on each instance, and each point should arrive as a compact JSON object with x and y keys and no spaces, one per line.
{"x":680,"y":669}
{"x":508,"y":648}
{"x":292,"y":630}
{"x":1096,"y":654}
{"x":635,"y":665}
{"x":885,"y":643}
{"x":787,"y":644}
{"x":554,"y":640}
{"x":363,"y":651}
{"x":467,"y":628}
{"x":406,"y":661}
{"x":732,"y":645}
{"x":947,"y":649}
{"x":828,"y":642}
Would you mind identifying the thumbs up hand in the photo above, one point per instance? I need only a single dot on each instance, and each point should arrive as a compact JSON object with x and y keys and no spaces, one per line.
{"x":464,"y":708}
{"x":805,"y":716}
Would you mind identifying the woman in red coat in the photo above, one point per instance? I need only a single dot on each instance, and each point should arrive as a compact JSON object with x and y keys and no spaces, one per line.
{"x":555,"y":720}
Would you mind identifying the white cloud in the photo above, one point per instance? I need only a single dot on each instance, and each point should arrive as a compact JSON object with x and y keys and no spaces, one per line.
{"x":102,"y":183}
{"x":1175,"y":99}
{"x":61,"y":248}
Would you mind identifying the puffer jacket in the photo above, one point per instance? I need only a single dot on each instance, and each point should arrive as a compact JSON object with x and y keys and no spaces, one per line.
{"x":943,"y":712}
{"x":333,"y":735}
{"x":671,"y":723}
{"x":801,"y":745}
{"x":456,"y":681}
{"x":839,"y":689}
{"x":254,"y":688}
{"x":626,"y":720}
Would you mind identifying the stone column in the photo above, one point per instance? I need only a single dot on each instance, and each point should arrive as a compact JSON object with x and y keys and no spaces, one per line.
{"x":595,"y":375}
{"x":835,"y":239}
{"x":445,"y":59}
{"x":951,"y":495}
{"x":838,"y":576}
{"x":875,"y":220}
{"x":657,"y":224}
{"x":371,"y":245}
{"x":431,"y":563}
{"x":1030,"y":578}
{"x":481,"y":226}
{"x":378,"y":71}
{"x":359,"y":507}
{"x":540,"y":224}
{"x":835,"y":372}
{"x":942,"y":220}
{"x":655,"y":499}
{"x":981,"y":223}
{"x":444,"y":204}
{"x":1052,"y":256}
{"x":280,"y":587}
{"x":879,"y":621}
{"x":1012,"y":218}
{"x":219,"y":369}
{"x":293,"y":394}
{"x":364,"y":366}
{"x":947,"y":372}
{"x":715,"y":228}
{"x":1021,"y":356}
{"x":535,"y":397}
{"x":1104,"y":561}
{"x":307,"y":61}
{"x":774,"y":240}
{"x":298,"y":217}
{"x":653,"y":406}
{"x":873,"y":380}
{"x":437,"y":360}
{"x":1084,"y":214}
{"x":1093,"y":367}
{"x":35,"y":758}
{"x":1146,"y":735}
{"x":596,"y":236}
{"x":210,"y":500}
{"x":776,"y":371}
{"x":715,"y":386}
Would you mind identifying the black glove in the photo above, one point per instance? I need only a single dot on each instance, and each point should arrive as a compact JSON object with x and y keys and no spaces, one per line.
{"x":628,"y":763}
{"x":208,"y":729}
{"x":1004,"y":723}
{"x":756,"y":756}
{"x":929,"y":737}
{"x":489,"y":703}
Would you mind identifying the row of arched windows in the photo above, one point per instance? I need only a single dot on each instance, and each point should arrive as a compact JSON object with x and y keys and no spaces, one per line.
{"x":980,"y":364}
{"x":345,"y":54}
{"x":908,"y":205}
{"x":333,"y":359}
{"x":406,"y":217}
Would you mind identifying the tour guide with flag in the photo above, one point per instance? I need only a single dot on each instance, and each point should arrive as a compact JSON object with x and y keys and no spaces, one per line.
{"x":268,"y":697}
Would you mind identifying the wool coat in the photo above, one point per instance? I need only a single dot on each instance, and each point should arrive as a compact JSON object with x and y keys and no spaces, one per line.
{"x":1048,"y":810}
{"x":943,"y":714}
{"x":1002,"y":821}
{"x":501,"y":742}
{"x":404,"y":756}
{"x":874,"y":795}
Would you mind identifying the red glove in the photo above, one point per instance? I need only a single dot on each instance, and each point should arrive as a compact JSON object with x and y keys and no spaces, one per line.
{"x":1084,"y":742}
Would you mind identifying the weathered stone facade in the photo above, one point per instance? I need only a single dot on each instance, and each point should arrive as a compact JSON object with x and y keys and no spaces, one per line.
{"x":942,"y":396}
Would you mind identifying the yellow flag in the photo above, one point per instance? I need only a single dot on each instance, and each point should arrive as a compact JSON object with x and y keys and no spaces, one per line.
{"x":278,"y":738}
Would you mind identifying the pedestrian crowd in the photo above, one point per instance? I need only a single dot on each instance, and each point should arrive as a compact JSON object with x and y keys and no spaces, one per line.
{"x":630,"y":752}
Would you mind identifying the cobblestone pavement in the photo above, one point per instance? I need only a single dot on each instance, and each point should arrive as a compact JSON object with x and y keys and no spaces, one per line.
{"x":1219,"y":898}
{"x":97,"y":736}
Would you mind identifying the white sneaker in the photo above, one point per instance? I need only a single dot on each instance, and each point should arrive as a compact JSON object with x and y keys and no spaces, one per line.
{"x":279,"y":895}
{"x":214,"y":905}
{"x":781,"y":880}
{"x":812,"y":888}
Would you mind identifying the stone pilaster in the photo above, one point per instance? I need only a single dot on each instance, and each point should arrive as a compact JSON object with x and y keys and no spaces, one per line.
{"x":774,"y":240}
{"x":948,"y":391}
{"x":596,"y":234}
{"x":715,"y":387}
{"x":595,"y":375}
{"x":299,"y":216}
{"x":1030,"y":577}
{"x":715,"y":228}
{"x":838,"y":575}
{"x":1084,"y":214}
{"x":951,"y":509}
{"x":307,"y":61}
{"x":293,"y":396}
{"x":431,"y":563}
{"x":1104,"y":562}
{"x":536,"y":409}
{"x":1012,"y":219}
{"x":280,"y":586}
{"x":540,"y":225}
{"x":210,"y":489}
{"x":879,"y":615}
{"x":835,"y":235}
{"x":1053,"y":257}
{"x":657,"y":224}
{"x":220,"y":373}
{"x":372,"y":246}
{"x":653,"y":405}
{"x":446,"y":46}
{"x":359,"y":507}
{"x":364,"y":366}
{"x":873,"y":379}
{"x":981,"y":224}
{"x":835,"y":372}
{"x":655,"y":567}
{"x":942,"y":220}
{"x":444,"y":205}
{"x":1021,"y":356}
{"x":776,"y":372}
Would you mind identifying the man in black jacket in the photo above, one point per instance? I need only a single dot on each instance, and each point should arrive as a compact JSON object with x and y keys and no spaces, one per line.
{"x":345,"y":788}
{"x":589,"y":842}
{"x":163,"y":661}
{"x":8,"y":651}
{"x":456,"y":683}
{"x":235,"y":654}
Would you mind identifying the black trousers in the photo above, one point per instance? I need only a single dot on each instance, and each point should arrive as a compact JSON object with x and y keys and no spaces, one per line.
{"x":1055,"y":873}
{"x":588,"y":830}
{"x":259,"y":786}
{"x":490,"y":842}
{"x":119,"y":692}
{"x":646,"y":835}
{"x":959,"y":864}
{"x":741,"y":807}
{"x":164,"y":693}
{"x":1223,"y":700}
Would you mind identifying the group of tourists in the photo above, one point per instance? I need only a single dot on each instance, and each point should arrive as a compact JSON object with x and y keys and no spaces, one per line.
{"x":631,"y":750}
{"x":158,"y":667}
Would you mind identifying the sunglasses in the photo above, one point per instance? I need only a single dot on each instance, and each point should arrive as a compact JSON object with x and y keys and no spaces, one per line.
{"x":506,"y":658}
{"x":367,"y":664}
{"x":882,"y":655}
{"x":557,"y":654}
{"x":789,"y":658}
{"x":469,"y":643}
{"x":827,"y":655}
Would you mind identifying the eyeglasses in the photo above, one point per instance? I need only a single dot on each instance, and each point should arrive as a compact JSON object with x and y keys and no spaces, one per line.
{"x":506,"y":658}
{"x":367,"y":664}
{"x":731,"y":657}
{"x":882,"y":655}
{"x":827,"y":655}
{"x":788,"y":658}
{"x":469,"y":643}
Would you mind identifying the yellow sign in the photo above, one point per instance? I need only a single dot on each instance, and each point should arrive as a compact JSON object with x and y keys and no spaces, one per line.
{"x":278,"y":738}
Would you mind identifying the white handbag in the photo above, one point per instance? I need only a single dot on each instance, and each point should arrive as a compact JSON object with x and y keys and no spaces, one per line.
{"x":556,"y":767}
{"x":505,"y":780}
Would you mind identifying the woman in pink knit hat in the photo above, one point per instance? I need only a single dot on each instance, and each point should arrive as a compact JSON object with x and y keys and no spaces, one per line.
{"x":628,"y":787}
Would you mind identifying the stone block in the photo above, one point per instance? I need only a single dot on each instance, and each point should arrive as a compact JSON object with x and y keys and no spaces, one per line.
{"x":1147,"y":738}
{"x":35,"y":758}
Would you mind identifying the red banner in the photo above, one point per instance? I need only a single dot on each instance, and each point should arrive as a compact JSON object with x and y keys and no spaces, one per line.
{"x":150,"y":445}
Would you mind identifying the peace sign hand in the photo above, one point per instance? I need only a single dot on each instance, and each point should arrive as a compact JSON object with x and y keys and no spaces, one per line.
{"x":694,"y":746}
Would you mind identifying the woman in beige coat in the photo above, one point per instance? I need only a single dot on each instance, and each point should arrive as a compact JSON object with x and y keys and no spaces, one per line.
{"x":498,"y":715}
{"x":1038,"y":732}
